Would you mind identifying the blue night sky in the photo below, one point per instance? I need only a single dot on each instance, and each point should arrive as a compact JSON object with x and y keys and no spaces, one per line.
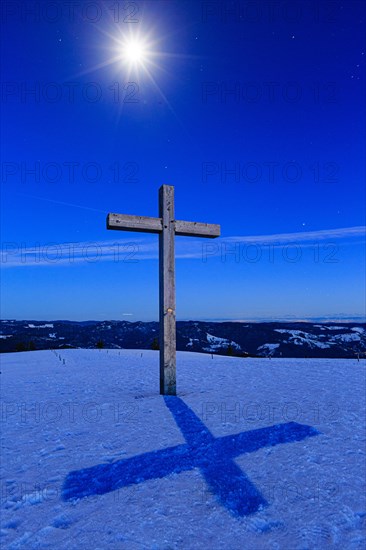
{"x":254,"y":111}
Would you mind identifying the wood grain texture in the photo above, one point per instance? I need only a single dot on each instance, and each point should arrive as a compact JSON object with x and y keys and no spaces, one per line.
{"x":197,"y":229}
{"x":124,"y":222}
{"x":167,"y":292}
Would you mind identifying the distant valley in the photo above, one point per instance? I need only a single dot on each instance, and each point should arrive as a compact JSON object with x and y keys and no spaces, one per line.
{"x":269,"y":339}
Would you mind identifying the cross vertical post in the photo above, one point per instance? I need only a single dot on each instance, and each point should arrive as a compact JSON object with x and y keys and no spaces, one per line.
{"x":167,"y":317}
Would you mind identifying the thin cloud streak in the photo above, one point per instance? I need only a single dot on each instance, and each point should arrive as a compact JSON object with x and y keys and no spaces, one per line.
{"x":135,"y":250}
{"x":302,"y":236}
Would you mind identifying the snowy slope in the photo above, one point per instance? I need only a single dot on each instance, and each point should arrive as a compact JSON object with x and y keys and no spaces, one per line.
{"x":252,"y":454}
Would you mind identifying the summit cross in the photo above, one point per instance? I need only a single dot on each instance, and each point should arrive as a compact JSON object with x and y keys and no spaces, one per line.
{"x":166,"y":226}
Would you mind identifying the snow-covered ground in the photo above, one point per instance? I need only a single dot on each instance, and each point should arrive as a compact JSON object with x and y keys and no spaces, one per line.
{"x":253,"y":454}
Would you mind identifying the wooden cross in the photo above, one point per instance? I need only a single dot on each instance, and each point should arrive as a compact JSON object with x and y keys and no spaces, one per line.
{"x":166,"y":226}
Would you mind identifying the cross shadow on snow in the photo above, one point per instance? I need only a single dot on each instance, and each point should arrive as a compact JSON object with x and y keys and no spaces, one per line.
{"x":213,"y":456}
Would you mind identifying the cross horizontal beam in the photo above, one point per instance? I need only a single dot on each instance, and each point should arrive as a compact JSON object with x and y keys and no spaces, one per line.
{"x":197,"y":229}
{"x":124,"y":222}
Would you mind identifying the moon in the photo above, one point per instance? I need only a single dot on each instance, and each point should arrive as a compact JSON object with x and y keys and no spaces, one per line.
{"x":135,"y":52}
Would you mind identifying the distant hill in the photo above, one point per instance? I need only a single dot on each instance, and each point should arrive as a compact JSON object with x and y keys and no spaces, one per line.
{"x":274,"y":339}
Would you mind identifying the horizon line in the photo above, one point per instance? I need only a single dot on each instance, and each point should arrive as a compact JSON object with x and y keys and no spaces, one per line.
{"x":356,"y":318}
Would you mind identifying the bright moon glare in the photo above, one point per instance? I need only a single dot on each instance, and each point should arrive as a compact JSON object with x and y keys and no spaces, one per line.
{"x":134,"y":52}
